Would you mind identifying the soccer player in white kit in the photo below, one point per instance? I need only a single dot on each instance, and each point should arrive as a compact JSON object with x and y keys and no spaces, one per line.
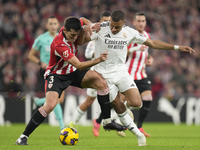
{"x":91,"y":93}
{"x":114,"y":38}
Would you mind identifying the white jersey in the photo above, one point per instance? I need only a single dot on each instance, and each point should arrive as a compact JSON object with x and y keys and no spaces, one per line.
{"x":116,"y":45}
{"x":136,"y":60}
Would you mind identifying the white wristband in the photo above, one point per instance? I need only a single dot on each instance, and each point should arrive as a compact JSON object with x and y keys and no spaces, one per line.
{"x":176,"y":47}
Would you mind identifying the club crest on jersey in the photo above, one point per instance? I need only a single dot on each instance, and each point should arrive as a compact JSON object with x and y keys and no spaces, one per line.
{"x":65,"y":54}
{"x":124,"y":35}
{"x":50,"y":85}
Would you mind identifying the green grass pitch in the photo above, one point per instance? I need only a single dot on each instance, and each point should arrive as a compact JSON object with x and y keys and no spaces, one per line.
{"x":164,"y":136}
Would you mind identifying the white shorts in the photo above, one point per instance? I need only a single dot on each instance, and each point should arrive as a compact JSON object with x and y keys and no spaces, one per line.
{"x":121,"y":82}
{"x":91,"y":92}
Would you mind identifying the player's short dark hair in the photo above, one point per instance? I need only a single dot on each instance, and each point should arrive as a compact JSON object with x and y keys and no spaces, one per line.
{"x":105,"y":14}
{"x":72,"y":23}
{"x":139,"y":14}
{"x":52,"y":17}
{"x":118,"y":15}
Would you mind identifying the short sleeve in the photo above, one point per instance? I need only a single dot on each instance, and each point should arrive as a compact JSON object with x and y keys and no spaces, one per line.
{"x":137,"y":38}
{"x":36,"y":44}
{"x":63,"y":51}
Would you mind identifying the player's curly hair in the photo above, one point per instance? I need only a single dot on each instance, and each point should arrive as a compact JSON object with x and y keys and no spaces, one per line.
{"x":72,"y":23}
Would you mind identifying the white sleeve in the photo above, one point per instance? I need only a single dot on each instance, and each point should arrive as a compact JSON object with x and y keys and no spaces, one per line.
{"x":137,"y":37}
{"x":89,"y":51}
{"x":94,"y":36}
{"x":135,"y":48}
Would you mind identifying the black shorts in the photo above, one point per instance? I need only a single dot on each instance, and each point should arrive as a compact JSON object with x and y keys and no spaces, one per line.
{"x":143,"y":85}
{"x":59,"y":83}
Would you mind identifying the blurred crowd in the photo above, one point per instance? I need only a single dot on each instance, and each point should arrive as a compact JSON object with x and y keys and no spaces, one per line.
{"x":173,"y":74}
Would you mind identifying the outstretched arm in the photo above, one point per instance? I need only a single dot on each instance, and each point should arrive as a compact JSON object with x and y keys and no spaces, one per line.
{"x":156,"y":44}
{"x":87,"y":64}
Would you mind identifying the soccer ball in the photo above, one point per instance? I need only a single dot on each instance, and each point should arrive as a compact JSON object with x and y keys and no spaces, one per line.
{"x":69,"y":136}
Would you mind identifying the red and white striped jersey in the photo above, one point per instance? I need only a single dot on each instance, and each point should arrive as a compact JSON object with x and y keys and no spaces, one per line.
{"x":136,"y":60}
{"x":61,"y":51}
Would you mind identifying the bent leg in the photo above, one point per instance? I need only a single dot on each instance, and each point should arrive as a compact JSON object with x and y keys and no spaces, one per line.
{"x":51,"y":101}
{"x":133,"y":98}
{"x":93,"y":80}
{"x":40,"y":114}
{"x":87,"y":103}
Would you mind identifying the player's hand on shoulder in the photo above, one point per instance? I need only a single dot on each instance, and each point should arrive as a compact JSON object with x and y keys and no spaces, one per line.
{"x":87,"y":30}
{"x":104,"y":56}
{"x":186,"y":49}
{"x":95,"y":27}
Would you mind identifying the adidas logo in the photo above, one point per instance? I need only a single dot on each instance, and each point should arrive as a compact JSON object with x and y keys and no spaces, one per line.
{"x":108,"y":35}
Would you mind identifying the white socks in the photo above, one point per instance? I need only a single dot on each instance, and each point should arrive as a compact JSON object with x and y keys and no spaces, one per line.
{"x":77,"y":115}
{"x":128,"y":121}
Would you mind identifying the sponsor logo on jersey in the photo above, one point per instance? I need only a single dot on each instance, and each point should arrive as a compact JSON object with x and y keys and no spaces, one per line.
{"x":115,"y":44}
{"x":65,"y":53}
{"x":124,"y":35}
{"x":108,"y":35}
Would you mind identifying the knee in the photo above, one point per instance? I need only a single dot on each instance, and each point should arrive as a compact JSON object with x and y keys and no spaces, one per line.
{"x":136,"y":105}
{"x":49,"y":106}
{"x":102,"y":85}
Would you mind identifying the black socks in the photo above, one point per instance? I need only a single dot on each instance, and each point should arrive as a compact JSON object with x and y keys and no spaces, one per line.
{"x":35,"y":121}
{"x":104,"y":103}
{"x":143,"y":112}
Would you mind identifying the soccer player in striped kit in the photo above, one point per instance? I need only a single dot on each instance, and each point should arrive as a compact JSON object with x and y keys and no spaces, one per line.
{"x":138,"y":59}
{"x":65,"y":69}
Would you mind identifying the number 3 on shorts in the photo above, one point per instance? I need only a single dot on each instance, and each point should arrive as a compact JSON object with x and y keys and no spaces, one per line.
{"x":51,"y":79}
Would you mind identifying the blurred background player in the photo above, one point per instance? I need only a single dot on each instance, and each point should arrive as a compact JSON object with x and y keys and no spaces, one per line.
{"x":91,"y":93}
{"x":42,"y":44}
{"x":138,"y":59}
